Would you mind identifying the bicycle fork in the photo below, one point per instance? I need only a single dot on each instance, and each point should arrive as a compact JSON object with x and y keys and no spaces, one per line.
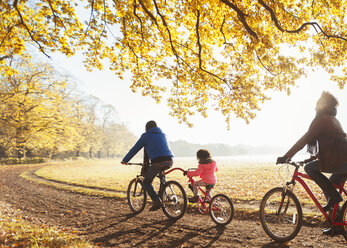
{"x":138,"y":179}
{"x":285,"y":204}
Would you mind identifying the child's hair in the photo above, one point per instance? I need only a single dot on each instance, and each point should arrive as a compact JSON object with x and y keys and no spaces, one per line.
{"x":204,"y":156}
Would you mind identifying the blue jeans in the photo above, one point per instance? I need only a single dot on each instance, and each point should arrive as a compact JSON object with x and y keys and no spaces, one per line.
{"x":338,"y":176}
{"x":151,"y":173}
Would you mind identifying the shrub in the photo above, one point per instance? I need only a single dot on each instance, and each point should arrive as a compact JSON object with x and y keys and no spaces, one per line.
{"x":11,"y":161}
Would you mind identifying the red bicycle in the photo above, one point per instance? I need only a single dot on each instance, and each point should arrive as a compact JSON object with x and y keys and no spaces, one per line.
{"x":281,"y":212}
{"x":171,"y":193}
{"x":220,"y":207}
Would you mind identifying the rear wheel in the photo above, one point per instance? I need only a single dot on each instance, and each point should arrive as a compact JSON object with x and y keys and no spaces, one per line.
{"x":174,"y":200}
{"x":280,"y":214}
{"x":221,"y":209}
{"x":136,"y":196}
{"x":343,"y":218}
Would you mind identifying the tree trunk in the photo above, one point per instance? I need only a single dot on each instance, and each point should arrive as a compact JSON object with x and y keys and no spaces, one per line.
{"x":91,"y":152}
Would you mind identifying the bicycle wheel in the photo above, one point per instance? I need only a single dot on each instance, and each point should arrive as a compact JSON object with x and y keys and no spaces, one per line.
{"x":280,"y":214}
{"x":136,"y":196}
{"x":221,"y":209}
{"x":343,"y":218}
{"x":174,"y":200}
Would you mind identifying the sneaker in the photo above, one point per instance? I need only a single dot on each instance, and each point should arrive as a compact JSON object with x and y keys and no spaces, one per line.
{"x":193,"y":199}
{"x":155,"y":206}
{"x":331,"y":203}
{"x":334,"y":231}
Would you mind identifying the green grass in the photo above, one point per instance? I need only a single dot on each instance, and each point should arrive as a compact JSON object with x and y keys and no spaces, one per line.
{"x":240,"y":181}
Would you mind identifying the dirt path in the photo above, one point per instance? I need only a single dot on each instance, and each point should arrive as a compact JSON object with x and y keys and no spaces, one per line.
{"x":109,"y":222}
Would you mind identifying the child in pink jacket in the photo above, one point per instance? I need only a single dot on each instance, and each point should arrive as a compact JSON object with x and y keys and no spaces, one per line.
{"x":207,"y":169}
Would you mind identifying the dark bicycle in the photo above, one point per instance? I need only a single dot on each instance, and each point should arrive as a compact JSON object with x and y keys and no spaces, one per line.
{"x":171,"y":193}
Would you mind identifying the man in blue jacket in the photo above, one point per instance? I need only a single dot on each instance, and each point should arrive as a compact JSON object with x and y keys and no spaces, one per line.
{"x":157,"y":148}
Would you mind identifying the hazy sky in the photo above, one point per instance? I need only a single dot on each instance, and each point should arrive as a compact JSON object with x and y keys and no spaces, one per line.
{"x":281,"y":121}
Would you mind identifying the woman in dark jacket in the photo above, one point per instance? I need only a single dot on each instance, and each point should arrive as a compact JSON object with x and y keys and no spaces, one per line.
{"x":326,"y":141}
{"x":157,"y":148}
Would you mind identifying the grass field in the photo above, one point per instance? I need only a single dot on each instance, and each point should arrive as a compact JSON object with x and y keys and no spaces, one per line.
{"x":239,"y":180}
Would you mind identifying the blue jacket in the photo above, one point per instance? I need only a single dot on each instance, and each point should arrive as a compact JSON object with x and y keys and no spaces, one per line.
{"x":155,"y":143}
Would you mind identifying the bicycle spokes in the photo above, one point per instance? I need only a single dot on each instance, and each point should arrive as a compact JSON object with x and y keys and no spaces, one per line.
{"x":280,"y":214}
{"x":174,"y":200}
{"x":136,"y":196}
{"x":221,"y":209}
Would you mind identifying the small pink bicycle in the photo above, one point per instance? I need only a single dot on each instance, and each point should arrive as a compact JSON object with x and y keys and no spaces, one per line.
{"x":220,"y":207}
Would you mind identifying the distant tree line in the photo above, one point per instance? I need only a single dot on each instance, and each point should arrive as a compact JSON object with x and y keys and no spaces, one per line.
{"x":42,"y":114}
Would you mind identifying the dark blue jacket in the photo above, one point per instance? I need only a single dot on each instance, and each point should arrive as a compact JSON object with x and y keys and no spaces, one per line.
{"x":155,"y":143}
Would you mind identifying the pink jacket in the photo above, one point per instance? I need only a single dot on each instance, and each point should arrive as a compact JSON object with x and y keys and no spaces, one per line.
{"x":207,"y":172}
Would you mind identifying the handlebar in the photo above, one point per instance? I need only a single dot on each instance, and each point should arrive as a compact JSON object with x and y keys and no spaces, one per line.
{"x":134,"y":163}
{"x":297,"y":164}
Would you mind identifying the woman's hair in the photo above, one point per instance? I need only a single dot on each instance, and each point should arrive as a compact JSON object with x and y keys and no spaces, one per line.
{"x":204,"y":156}
{"x":150,"y":124}
{"x":326,"y":104}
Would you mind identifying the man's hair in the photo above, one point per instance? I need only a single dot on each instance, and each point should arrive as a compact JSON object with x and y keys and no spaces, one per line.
{"x":150,"y":124}
{"x":327,"y":104}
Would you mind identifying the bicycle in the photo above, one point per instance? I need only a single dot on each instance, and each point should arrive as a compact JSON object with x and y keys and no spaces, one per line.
{"x":171,"y":193}
{"x":281,"y":212}
{"x":220,"y":207}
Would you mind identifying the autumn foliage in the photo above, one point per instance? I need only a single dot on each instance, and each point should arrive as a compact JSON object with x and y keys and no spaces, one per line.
{"x":220,"y":53}
{"x":42,"y":114}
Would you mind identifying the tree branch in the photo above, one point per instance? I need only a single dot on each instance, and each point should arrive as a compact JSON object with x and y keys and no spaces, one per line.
{"x":4,"y":57}
{"x":55,"y":17}
{"x":242,"y":18}
{"x":298,"y":30}
{"x":261,"y":62}
{"x":221,"y":30}
{"x":141,"y":25}
{"x":27,"y":29}
{"x":149,"y":13}
{"x":200,"y":51}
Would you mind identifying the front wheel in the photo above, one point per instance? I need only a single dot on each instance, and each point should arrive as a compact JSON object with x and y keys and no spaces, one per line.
{"x":343,"y":218}
{"x":280,"y":214}
{"x":136,"y":196}
{"x":221,"y":209}
{"x":174,"y":200}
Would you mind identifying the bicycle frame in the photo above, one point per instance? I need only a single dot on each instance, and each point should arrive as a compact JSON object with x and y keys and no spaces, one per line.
{"x":203,"y":209}
{"x":191,"y":181}
{"x":161,"y":176}
{"x":297,"y":176}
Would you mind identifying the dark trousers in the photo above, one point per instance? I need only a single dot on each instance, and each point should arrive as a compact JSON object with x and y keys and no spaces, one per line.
{"x":151,"y":173}
{"x":338,"y":176}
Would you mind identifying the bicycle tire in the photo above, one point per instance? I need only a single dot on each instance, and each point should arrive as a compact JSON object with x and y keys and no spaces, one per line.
{"x":136,"y":195}
{"x":221,"y":209}
{"x":283,"y":226}
{"x":343,"y":218}
{"x":174,"y":200}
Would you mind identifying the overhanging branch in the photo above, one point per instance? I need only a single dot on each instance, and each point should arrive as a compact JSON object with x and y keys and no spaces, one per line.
{"x":242,"y":18}
{"x":314,"y":24}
